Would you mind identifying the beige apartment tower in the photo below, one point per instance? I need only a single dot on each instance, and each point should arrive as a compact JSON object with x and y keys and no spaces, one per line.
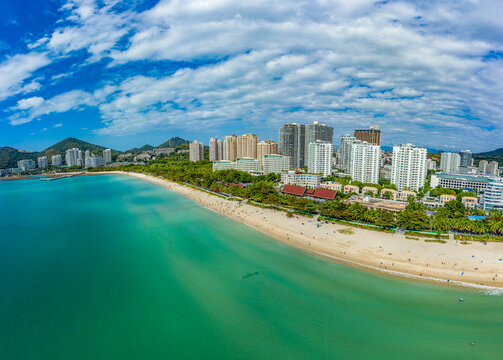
{"x":247,"y":146}
{"x":196,"y":151}
{"x":267,"y":147}
{"x":372,"y":135}
{"x":231,"y":148}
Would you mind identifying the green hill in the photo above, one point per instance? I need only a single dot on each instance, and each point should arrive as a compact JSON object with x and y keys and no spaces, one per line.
{"x":173,"y":142}
{"x":495,"y":155}
{"x":144,"y":148}
{"x":10,"y":156}
{"x":69,"y":143}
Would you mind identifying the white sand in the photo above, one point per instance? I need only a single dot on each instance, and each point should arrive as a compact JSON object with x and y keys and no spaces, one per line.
{"x":475,"y":263}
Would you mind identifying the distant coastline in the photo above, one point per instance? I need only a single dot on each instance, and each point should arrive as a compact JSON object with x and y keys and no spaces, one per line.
{"x":474,"y":265}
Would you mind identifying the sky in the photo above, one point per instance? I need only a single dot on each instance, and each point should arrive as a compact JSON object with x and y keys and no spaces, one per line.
{"x":127,"y":73}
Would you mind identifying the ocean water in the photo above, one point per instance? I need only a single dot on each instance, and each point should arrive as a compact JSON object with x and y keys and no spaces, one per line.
{"x":111,"y":267}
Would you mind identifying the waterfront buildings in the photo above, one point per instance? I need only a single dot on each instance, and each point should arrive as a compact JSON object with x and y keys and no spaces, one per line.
{"x":492,"y":169}
{"x":107,"y":155}
{"x":483,"y":166}
{"x":246,"y":146}
{"x":465,"y":158}
{"x":320,"y":157}
{"x":493,"y":195}
{"x":196,"y":151}
{"x":345,"y":152}
{"x":267,"y":147}
{"x":476,"y":183}
{"x":275,"y":163}
{"x":301,"y":179}
{"x":94,"y":161}
{"x":294,"y":140}
{"x":372,"y":135}
{"x":248,"y":164}
{"x":431,"y":164}
{"x":291,"y":143}
{"x":449,"y":162}
{"x":315,"y":132}
{"x":73,"y":157}
{"x":408,"y":167}
{"x":42,"y":162}
{"x":365,"y":162}
{"x":231,"y":148}
{"x":26,"y":165}
{"x":216,"y":149}
{"x":223,"y":165}
{"x":56,"y":160}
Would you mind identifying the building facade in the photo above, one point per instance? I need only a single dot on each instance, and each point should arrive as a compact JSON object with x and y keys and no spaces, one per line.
{"x":275,"y":163}
{"x":231,"y":148}
{"x":408,"y":169}
{"x":466,"y":158}
{"x":450,"y":162}
{"x":483,"y":166}
{"x":315,"y":132}
{"x":320,"y":157}
{"x":292,"y":143}
{"x":248,"y":164}
{"x":345,"y":152}
{"x":493,"y":168}
{"x":267,"y":147}
{"x":56,"y":160}
{"x":107,"y":156}
{"x":476,"y":183}
{"x":431,"y":164}
{"x":493,"y":195}
{"x":26,"y":165}
{"x":247,"y":146}
{"x":371,"y":135}
{"x":302,"y":179}
{"x":73,"y":156}
{"x":196,"y":151}
{"x":365,"y":162}
{"x":216,"y":149}
{"x":43,"y":162}
{"x":224,"y":165}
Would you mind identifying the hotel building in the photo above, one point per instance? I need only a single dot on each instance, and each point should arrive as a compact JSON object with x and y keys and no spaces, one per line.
{"x":276,"y":164}
{"x":365,"y":162}
{"x":408,"y":167}
{"x":309,"y":180}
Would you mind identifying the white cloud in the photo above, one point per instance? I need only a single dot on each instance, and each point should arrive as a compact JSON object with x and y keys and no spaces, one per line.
{"x":16,"y":69}
{"x":58,"y":125}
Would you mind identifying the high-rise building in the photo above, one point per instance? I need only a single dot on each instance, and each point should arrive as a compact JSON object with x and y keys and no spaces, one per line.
{"x":408,"y":167}
{"x":88,"y":154}
{"x":25,"y":165}
{"x":94,"y":161}
{"x":292,"y":143}
{"x":72,"y":157}
{"x":320,"y":157}
{"x":107,"y":156}
{"x":449,"y":162}
{"x":196,"y":151}
{"x":80,"y":160}
{"x":247,"y":146}
{"x":431,"y":164}
{"x":345,"y":152}
{"x":493,"y":169}
{"x":493,"y":195}
{"x":465,"y":158}
{"x":267,"y":147}
{"x":56,"y":160}
{"x":365,"y":162}
{"x":231,"y":148}
{"x":316,"y":131}
{"x":276,"y":163}
{"x":216,"y":149}
{"x":372,"y":135}
{"x":483,"y":166}
{"x":43,"y":162}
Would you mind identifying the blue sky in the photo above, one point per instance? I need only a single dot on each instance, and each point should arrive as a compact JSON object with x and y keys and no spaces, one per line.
{"x":127,"y":73}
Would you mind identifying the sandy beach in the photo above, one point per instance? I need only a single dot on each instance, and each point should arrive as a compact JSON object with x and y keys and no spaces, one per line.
{"x":475,"y":264}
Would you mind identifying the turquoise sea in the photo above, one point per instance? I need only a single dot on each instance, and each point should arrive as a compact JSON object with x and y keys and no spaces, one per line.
{"x":111,"y":267}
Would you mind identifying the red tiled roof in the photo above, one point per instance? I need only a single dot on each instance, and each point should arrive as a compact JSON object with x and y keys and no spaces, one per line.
{"x":309,"y":191}
{"x":293,"y":190}
{"x":324,"y":194}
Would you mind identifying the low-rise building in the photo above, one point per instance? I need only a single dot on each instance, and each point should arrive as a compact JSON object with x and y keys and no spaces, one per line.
{"x":331,"y":185}
{"x":26,"y":165}
{"x":248,"y":164}
{"x":224,"y":165}
{"x":493,"y":195}
{"x":164,"y":151}
{"x":390,"y":194}
{"x":470,"y":202}
{"x":351,"y":189}
{"x":404,"y":195}
{"x":444,"y":199}
{"x":458,"y":181}
{"x":301,"y":179}
{"x":275,"y":163}
{"x":370,"y":190}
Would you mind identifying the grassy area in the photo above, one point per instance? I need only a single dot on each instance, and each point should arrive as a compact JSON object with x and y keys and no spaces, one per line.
{"x":411,"y":238}
{"x":435,"y":240}
{"x":465,"y":243}
{"x":347,"y":231}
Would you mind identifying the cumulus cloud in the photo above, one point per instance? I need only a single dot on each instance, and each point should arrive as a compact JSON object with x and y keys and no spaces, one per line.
{"x":423,"y":72}
{"x":15,"y":70}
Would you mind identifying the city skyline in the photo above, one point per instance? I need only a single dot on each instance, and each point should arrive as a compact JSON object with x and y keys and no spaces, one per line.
{"x":126,"y":75}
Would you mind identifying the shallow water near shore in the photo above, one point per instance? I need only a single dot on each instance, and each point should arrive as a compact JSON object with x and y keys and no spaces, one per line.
{"x":112,"y":267}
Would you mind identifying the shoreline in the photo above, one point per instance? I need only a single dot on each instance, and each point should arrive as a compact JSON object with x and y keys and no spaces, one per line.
{"x":476,"y":265}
